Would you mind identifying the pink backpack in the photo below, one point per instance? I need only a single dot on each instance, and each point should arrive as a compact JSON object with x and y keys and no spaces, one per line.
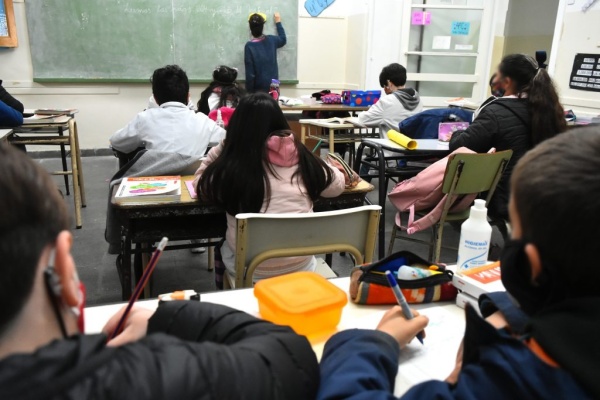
{"x":424,"y":192}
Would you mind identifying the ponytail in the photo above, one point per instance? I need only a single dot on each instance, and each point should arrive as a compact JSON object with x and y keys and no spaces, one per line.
{"x":547,"y":114}
{"x":545,"y":110}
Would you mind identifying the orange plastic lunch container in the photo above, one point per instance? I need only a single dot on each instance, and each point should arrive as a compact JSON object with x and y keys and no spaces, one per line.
{"x":305,"y":301}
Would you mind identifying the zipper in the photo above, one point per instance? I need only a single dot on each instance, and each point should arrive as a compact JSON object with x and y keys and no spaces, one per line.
{"x":379,"y":278}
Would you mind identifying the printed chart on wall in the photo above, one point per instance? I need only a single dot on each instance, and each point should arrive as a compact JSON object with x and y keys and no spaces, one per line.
{"x":586,"y":73}
{"x":3,"y":20}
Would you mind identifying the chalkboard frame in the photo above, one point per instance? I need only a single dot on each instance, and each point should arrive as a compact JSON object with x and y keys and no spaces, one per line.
{"x":115,"y":80}
{"x":10,"y":40}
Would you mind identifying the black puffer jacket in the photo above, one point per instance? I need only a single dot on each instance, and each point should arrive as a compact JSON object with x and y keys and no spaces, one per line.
{"x":505,"y":125}
{"x":211,"y":352}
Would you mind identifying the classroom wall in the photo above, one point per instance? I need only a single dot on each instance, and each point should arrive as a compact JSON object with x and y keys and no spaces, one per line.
{"x":530,"y":26}
{"x":578,"y":32}
{"x":323,"y":62}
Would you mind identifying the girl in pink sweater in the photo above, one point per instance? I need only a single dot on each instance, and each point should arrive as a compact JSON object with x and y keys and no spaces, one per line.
{"x":262,"y":167}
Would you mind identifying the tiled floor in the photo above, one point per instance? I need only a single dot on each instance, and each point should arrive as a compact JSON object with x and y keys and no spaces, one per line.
{"x":177,"y":269}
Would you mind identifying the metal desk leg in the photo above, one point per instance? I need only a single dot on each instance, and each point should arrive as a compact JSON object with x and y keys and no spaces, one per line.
{"x":329,"y":259}
{"x":211,"y":258}
{"x":331,"y":140}
{"x":73,"y":127}
{"x":382,"y":200}
{"x":63,"y":157}
{"x":126,"y":268}
{"x":76,"y":175}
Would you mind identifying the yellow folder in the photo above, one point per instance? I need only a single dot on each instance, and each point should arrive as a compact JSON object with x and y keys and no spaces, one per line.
{"x":402,"y":140}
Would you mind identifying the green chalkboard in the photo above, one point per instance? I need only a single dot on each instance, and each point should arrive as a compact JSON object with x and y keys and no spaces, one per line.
{"x":124,"y":41}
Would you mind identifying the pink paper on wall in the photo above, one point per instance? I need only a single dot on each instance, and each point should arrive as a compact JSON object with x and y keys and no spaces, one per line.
{"x":421,"y":18}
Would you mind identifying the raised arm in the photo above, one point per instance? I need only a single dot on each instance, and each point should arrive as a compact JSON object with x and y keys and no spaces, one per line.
{"x":10,"y":100}
{"x":9,"y":117}
{"x":281,"y":38}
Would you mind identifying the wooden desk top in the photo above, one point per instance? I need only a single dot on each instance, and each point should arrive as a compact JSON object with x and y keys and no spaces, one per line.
{"x":186,"y":199}
{"x":323,"y":107}
{"x":423,"y":145}
{"x":4,"y":133}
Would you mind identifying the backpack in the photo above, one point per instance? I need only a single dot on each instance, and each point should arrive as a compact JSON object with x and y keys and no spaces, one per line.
{"x":424,"y":192}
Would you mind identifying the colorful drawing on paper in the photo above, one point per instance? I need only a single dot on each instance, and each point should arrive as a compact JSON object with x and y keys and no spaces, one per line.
{"x":421,"y":18}
{"x":316,"y":7}
{"x":146,"y":188}
{"x":3,"y":20}
{"x":460,"y":28}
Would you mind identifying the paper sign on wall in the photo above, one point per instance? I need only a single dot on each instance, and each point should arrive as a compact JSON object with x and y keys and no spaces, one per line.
{"x":460,"y":28}
{"x":421,"y":18}
{"x":316,"y":7}
{"x":441,"y":42}
{"x":585,"y":74}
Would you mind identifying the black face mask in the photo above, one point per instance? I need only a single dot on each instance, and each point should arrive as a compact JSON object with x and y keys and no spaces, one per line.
{"x":531,"y":295}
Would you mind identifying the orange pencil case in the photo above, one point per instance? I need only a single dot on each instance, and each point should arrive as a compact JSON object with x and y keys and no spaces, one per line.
{"x":427,"y":282}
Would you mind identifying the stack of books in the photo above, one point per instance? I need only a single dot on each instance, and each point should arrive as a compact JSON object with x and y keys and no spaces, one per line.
{"x":474,"y":282}
{"x":149,"y":189}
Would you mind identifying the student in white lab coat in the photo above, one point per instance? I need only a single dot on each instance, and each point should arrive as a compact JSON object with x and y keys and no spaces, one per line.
{"x":171,"y":127}
{"x":398,"y":104}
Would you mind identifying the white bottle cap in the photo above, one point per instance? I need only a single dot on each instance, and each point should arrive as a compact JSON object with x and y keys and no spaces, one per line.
{"x":478,"y":211}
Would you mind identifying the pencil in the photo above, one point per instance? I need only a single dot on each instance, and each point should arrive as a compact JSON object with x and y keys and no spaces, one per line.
{"x":141,"y":285}
{"x":401,"y":300}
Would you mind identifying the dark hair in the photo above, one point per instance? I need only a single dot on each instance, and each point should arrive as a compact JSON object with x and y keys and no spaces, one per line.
{"x":32,"y":215}
{"x":170,"y":83}
{"x":224,"y":78}
{"x":555,"y":191}
{"x":257,"y":23}
{"x":394,"y":73}
{"x":237,"y":180}
{"x":545,"y":110}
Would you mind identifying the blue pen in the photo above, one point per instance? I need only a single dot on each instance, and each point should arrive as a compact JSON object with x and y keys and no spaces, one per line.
{"x":401,"y":300}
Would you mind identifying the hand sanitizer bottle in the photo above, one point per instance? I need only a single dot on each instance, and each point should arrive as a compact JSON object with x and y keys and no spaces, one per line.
{"x":475,"y":236}
{"x":220,"y":121}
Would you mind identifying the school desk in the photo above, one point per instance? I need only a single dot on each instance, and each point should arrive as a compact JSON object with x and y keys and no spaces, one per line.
{"x":418,"y":363}
{"x":188,"y":219}
{"x":426,"y":148}
{"x":324,"y":107}
{"x":334,"y":133}
{"x":4,"y":134}
{"x":51,"y":132}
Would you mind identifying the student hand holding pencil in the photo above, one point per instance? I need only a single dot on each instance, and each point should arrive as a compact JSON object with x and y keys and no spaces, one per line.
{"x":135,"y":328}
{"x":395,"y":324}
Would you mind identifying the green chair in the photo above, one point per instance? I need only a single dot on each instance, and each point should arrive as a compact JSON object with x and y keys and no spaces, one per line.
{"x":465,"y":174}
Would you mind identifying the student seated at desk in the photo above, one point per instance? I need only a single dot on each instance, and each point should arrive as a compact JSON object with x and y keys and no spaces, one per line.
{"x":527,"y":114}
{"x":9,"y":117}
{"x":172,"y":127}
{"x":540,"y":340}
{"x":223,"y":91}
{"x":262,"y":167}
{"x":398,"y":104}
{"x":9,"y":100}
{"x":184,"y":350}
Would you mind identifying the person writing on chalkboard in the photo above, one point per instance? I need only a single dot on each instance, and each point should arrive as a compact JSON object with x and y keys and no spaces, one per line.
{"x":172,"y":127}
{"x":260,"y":53}
{"x":223,"y":91}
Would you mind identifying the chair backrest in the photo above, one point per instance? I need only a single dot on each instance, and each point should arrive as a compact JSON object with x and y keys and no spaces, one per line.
{"x":264,"y":236}
{"x":475,"y":173}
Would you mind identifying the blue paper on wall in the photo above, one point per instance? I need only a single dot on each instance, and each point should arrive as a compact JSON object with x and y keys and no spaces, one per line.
{"x":460,"y":28}
{"x":316,"y":7}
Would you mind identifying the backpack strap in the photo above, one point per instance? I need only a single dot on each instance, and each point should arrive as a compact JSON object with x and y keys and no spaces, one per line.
{"x":59,"y":386}
{"x":501,"y":103}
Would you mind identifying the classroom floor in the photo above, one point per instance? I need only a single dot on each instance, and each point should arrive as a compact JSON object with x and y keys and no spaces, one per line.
{"x":177,"y":269}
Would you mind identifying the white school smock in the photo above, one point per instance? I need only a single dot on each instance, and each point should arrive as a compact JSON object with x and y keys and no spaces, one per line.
{"x":172,"y":127}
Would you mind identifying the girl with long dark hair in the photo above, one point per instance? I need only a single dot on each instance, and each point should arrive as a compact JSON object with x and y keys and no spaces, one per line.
{"x":223,"y":91}
{"x":528,"y":113}
{"x":262,"y":167}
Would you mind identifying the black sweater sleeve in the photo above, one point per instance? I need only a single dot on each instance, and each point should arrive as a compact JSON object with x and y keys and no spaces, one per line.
{"x":480,"y":135}
{"x":237,"y":355}
{"x":9,"y":100}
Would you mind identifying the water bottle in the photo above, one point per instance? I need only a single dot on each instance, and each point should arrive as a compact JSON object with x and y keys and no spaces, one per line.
{"x":475,"y":236}
{"x":219,"y":120}
{"x":274,"y":89}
